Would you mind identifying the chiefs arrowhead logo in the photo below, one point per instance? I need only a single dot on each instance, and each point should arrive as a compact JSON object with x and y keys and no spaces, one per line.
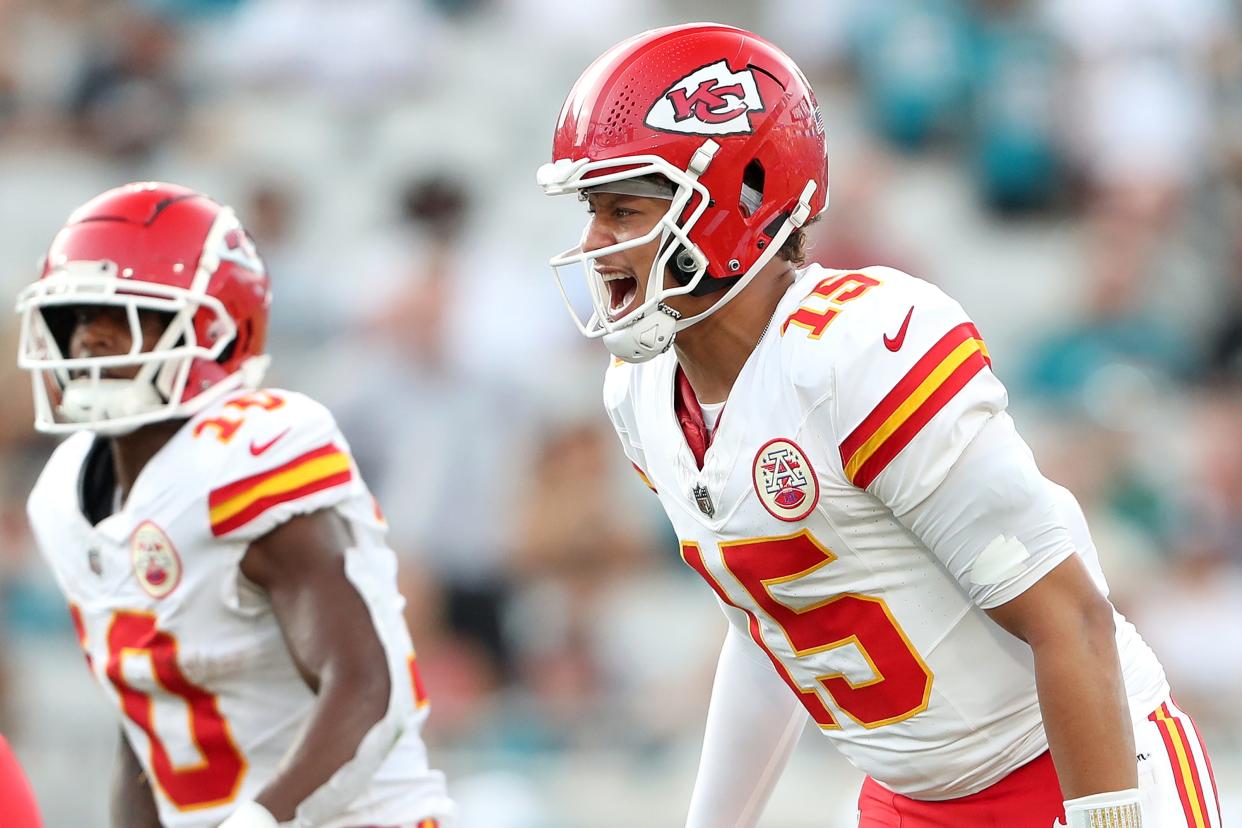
{"x":712,"y":100}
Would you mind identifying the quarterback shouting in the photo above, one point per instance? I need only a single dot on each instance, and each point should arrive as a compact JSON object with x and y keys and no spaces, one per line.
{"x":224,"y":564}
{"x":833,"y":451}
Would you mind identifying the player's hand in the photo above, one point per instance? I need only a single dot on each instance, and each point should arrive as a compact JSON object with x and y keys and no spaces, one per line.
{"x":250,"y":815}
{"x":1123,"y":809}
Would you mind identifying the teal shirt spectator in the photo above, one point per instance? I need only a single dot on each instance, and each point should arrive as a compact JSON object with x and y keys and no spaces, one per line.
{"x":1016,"y":158}
{"x":913,"y":63}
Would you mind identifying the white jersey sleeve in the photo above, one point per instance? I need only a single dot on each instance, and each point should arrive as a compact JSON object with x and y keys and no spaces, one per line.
{"x":753,"y":725}
{"x":921,"y":424}
{"x":995,"y":522}
{"x":287,"y":457}
{"x":912,"y":386}
{"x":620,"y":408}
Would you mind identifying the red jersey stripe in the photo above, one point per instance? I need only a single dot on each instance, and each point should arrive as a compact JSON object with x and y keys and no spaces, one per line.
{"x":906,"y":386}
{"x":912,"y":425}
{"x":262,"y":504}
{"x":226,"y":493}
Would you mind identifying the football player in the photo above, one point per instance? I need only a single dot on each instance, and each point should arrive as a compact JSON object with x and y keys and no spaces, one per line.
{"x":224,"y":563}
{"x":833,"y":451}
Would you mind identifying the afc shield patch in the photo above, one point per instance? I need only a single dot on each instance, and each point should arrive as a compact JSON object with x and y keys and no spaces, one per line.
{"x":156,"y":563}
{"x":784,"y":480}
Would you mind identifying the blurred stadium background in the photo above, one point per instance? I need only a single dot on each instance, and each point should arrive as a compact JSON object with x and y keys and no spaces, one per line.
{"x":1070,"y":171}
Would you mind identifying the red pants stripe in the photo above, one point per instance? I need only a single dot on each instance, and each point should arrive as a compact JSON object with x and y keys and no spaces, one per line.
{"x":1207,"y":761}
{"x":1180,"y":752}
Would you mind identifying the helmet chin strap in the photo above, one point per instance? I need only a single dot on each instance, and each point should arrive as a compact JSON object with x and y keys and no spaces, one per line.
{"x":652,"y":334}
{"x":646,"y":338}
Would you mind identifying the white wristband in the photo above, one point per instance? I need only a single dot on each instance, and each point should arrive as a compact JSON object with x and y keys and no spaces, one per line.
{"x":1116,"y":809}
{"x":250,"y":815}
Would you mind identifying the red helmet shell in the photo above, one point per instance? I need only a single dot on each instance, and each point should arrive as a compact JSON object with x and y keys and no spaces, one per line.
{"x":666,"y":91}
{"x":158,"y":233}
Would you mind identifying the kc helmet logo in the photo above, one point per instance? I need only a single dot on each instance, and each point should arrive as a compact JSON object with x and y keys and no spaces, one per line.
{"x":712,"y":100}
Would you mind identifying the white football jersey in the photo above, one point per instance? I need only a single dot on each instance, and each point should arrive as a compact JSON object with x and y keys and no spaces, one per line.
{"x":851,"y":410}
{"x":189,"y":649}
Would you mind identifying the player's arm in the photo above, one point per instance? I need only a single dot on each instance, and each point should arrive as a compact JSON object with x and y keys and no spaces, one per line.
{"x":1069,"y":627}
{"x":1010,"y":536}
{"x":753,"y":724}
{"x":133,"y":803}
{"x":923,"y":428}
{"x":333,"y":641}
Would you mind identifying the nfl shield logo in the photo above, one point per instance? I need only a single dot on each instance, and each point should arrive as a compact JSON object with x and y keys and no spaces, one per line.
{"x":704,"y":499}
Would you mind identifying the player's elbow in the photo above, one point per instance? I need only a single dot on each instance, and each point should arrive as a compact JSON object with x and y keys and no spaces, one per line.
{"x":366,"y":686}
{"x":1086,"y":621}
{"x":1098,"y":624}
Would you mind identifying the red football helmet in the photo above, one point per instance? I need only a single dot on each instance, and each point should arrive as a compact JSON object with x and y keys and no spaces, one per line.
{"x":733,"y":125}
{"x":146,"y":247}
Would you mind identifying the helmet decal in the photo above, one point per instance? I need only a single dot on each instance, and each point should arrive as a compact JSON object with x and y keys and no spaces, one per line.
{"x":711,"y":100}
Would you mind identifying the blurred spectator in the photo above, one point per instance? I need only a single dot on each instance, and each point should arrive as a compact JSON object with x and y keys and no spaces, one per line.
{"x":573,"y":545}
{"x":1225,"y":351}
{"x":443,"y":449}
{"x":1214,"y":502}
{"x":303,"y":295}
{"x":192,"y":9}
{"x":853,"y":238}
{"x":1109,"y":348}
{"x":1196,"y":621}
{"x":1142,"y":123}
{"x":912,"y":58}
{"x":1142,"y":109}
{"x":588,"y":572}
{"x":1015,"y":83}
{"x":129,"y":97}
{"x":8,"y":65}
{"x":354,"y":53}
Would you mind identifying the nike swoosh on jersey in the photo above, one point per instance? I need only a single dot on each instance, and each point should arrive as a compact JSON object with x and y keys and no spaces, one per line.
{"x":894,"y":343}
{"x":258,"y":448}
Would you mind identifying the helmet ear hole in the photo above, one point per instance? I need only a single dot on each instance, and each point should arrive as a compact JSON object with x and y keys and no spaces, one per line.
{"x":751,"y":197}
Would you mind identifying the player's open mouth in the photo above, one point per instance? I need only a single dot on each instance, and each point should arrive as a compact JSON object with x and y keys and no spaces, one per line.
{"x":622,"y":289}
